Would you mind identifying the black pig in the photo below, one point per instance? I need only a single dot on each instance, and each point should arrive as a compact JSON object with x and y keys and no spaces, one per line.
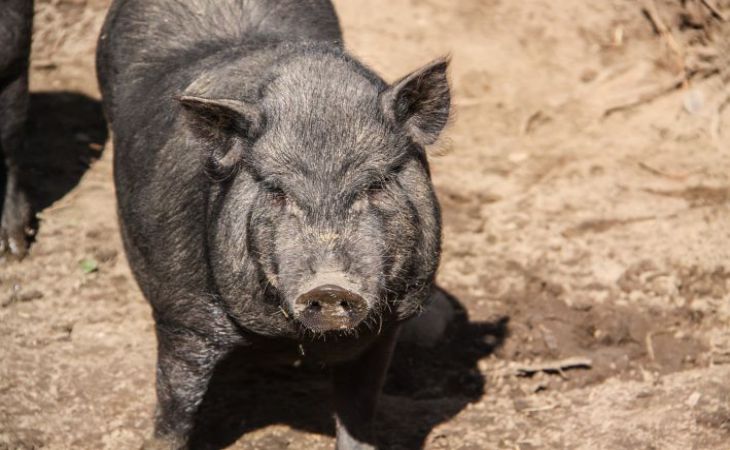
{"x":16,"y":25}
{"x":273,"y":194}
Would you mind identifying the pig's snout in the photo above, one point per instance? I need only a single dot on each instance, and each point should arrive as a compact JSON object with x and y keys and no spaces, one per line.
{"x":330,"y":307}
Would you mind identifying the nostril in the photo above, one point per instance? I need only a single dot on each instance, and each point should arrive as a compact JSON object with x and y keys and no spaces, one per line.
{"x":314,"y":306}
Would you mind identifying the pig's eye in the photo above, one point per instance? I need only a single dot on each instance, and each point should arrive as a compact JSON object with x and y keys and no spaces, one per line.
{"x":280,"y":199}
{"x":376,"y":190}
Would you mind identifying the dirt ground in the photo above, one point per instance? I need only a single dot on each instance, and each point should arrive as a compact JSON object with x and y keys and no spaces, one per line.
{"x":586,"y":200}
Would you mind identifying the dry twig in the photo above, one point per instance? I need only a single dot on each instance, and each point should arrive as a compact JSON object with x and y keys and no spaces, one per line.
{"x":661,"y":173}
{"x":653,"y":14}
{"x":533,"y":120}
{"x":540,"y":408}
{"x":715,"y":10}
{"x":650,"y":347}
{"x":647,"y":97}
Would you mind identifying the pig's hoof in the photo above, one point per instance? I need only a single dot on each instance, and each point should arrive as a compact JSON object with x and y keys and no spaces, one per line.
{"x":350,"y":443}
{"x":14,"y":242}
{"x":15,"y":228}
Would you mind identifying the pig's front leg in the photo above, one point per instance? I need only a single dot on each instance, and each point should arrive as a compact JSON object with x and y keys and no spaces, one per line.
{"x":357,"y":386}
{"x":185,"y":363}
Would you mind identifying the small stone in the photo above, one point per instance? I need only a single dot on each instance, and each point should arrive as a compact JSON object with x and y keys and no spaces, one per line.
{"x":694,"y":101}
{"x":518,"y":157}
{"x":693,"y":400}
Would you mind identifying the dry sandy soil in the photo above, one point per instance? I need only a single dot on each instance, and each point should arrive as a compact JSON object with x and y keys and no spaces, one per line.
{"x":577,"y":225}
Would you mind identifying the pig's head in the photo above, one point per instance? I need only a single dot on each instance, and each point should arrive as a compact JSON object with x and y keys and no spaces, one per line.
{"x":321,"y":191}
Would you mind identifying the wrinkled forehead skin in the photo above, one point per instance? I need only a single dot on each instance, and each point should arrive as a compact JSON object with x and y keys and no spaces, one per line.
{"x":325,"y":132}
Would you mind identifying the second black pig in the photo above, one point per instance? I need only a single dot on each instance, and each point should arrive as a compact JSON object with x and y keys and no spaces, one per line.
{"x":273,"y":194}
{"x":16,"y":26}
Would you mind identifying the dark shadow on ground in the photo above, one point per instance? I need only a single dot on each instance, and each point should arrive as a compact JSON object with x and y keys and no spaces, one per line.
{"x":425,"y":387}
{"x":66,"y":133}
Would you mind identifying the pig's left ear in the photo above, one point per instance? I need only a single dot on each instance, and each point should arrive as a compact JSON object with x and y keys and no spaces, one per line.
{"x":420,"y":102}
{"x":231,"y":125}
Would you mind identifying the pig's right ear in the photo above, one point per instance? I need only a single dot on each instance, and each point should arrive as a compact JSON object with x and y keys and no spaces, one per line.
{"x":420,"y":102}
{"x":230,"y":125}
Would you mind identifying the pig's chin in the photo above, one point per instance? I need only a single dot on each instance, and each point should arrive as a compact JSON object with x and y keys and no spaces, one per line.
{"x":340,"y":322}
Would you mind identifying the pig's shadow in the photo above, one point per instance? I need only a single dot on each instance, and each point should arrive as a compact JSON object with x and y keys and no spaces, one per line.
{"x":424,"y":387}
{"x":66,"y":132}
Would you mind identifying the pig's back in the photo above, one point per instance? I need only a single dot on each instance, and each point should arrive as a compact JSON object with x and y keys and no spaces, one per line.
{"x":16,"y":18}
{"x":144,"y":41}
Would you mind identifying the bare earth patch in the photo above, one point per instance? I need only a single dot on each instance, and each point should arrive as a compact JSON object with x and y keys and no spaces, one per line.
{"x":585,"y":186}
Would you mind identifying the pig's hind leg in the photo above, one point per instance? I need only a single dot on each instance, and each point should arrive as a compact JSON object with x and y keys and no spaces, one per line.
{"x":357,"y":386}
{"x":16,"y":208}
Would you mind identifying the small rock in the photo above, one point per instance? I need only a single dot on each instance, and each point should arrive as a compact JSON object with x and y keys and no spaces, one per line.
{"x":517,"y":157}
{"x":693,"y":400}
{"x":694,"y":101}
{"x":607,"y":271}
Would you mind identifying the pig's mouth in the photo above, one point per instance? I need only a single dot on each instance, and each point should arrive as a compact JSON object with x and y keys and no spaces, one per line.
{"x":330,"y":307}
